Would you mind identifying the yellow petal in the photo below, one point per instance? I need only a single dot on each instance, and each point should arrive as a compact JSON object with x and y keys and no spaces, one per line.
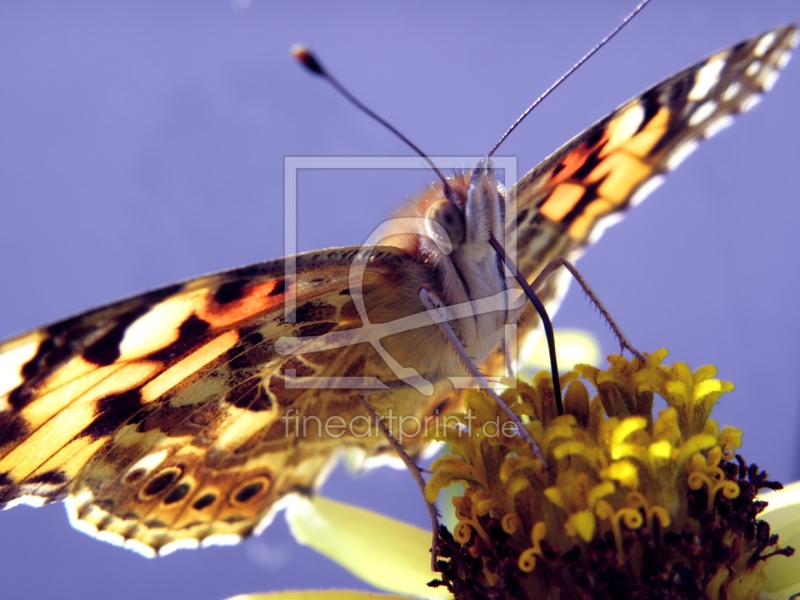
{"x":573,"y":346}
{"x":384,"y":552}
{"x":583,"y":524}
{"x":783,"y":516}
{"x":623,"y":471}
{"x":316,"y":595}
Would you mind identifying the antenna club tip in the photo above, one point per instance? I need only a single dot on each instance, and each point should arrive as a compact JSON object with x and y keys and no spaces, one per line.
{"x":305,"y":57}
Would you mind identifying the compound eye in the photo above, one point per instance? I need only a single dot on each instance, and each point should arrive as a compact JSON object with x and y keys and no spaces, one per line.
{"x":450,"y":217}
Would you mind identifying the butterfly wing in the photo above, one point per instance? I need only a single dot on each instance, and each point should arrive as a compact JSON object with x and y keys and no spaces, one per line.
{"x":166,"y":420}
{"x":566,"y":202}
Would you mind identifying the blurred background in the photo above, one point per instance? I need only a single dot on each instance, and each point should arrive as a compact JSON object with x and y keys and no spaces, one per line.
{"x":143,"y":143}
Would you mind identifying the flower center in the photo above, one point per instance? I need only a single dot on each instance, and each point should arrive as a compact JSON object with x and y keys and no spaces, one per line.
{"x":630,"y":506}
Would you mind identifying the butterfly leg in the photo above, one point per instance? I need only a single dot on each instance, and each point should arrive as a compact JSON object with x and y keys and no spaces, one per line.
{"x":560,"y":261}
{"x":434,"y":305}
{"x":415,"y":471}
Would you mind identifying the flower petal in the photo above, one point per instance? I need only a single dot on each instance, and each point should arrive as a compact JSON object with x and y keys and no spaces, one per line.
{"x":783,"y":516}
{"x":574,"y":346}
{"x":384,"y":552}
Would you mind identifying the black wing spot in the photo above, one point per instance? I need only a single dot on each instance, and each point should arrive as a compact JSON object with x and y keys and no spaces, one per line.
{"x":230,"y":292}
{"x":163,"y":480}
{"x":588,"y":165}
{"x":737,"y":48}
{"x":651,"y":104}
{"x":193,"y":327}
{"x":105,"y":351}
{"x":20,"y":398}
{"x":135,"y":475}
{"x":47,"y":355}
{"x":280,"y":288}
{"x":178,"y":494}
{"x":112,"y":412}
{"x":314,"y":311}
{"x":250,"y":396}
{"x":251,"y":339}
{"x":54,"y":477}
{"x":12,"y":428}
{"x":189,"y":333}
{"x":315,"y":329}
{"x":248,"y":492}
{"x":246,"y":355}
{"x":204,"y":501}
{"x":595,"y":136}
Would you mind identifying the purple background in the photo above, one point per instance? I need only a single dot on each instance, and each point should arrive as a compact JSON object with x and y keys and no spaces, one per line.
{"x":143,"y":143}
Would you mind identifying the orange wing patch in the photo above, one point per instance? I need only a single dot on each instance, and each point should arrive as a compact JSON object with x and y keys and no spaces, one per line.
{"x":567,"y":202}
{"x":233,"y":303}
{"x":159,"y":418}
{"x":590,"y":182}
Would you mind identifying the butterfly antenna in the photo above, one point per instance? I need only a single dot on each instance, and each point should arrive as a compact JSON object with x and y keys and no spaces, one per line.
{"x":306,"y":58}
{"x":546,"y":323}
{"x":574,"y":68}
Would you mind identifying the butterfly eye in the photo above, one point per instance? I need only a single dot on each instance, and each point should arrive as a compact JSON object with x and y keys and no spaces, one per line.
{"x":449,"y":216}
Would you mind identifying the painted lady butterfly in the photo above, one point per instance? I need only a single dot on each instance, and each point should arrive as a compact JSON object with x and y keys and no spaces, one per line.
{"x":160,"y":419}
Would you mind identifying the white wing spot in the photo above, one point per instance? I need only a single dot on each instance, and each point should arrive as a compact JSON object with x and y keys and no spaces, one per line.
{"x":647,"y":188}
{"x":221,"y":539}
{"x":602,"y":224}
{"x":750,"y":102}
{"x":680,"y":154}
{"x":624,"y":126}
{"x":702,"y":112}
{"x":157,"y":328}
{"x":140,"y":548}
{"x":783,"y":59}
{"x":184,"y":544}
{"x":753,"y":68}
{"x":85,"y":527}
{"x":115,"y":539}
{"x":731,"y":91}
{"x":764,"y":44}
{"x":148,"y":463}
{"x":34,"y":501}
{"x":717,"y":125}
{"x":769,"y":77}
{"x":707,"y":77}
{"x":12,"y":361}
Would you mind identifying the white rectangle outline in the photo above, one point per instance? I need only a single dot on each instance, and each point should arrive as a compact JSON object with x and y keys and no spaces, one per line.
{"x":293,"y":164}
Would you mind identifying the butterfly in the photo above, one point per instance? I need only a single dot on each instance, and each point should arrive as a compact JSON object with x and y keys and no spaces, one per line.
{"x":171,"y":419}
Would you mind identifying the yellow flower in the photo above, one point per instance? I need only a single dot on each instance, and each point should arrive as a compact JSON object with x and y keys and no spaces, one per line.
{"x":630,"y":504}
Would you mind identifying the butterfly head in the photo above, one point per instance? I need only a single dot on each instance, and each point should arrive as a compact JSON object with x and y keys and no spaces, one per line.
{"x":464,"y":212}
